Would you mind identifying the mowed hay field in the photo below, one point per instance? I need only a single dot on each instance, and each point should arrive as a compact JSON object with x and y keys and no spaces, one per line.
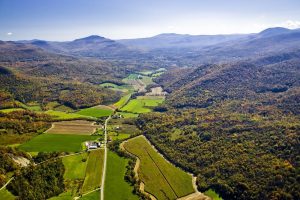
{"x":155,"y":171}
{"x":56,"y":142}
{"x":123,"y":101}
{"x":142,"y":104}
{"x":59,"y":115}
{"x":97,"y":111}
{"x":76,"y":127}
{"x":93,"y":174}
{"x":75,"y":166}
{"x":116,"y":188}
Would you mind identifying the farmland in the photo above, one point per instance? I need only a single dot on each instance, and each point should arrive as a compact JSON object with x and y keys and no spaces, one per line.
{"x":127,"y":114}
{"x":8,"y":110}
{"x":155,"y":170}
{"x":121,"y":88}
{"x":77,"y":127}
{"x":93,"y":173}
{"x":75,"y":166}
{"x":5,"y":194}
{"x":92,"y":196}
{"x":142,"y":104}
{"x":116,"y":188}
{"x":59,"y":115}
{"x":122,"y":101}
{"x":96,"y":111}
{"x":55,"y":142}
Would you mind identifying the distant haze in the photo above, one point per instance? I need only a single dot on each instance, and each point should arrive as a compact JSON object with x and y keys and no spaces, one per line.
{"x":118,"y":19}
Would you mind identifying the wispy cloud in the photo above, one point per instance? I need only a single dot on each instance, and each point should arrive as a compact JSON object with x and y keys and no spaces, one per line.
{"x":292,"y":24}
{"x":9,"y":33}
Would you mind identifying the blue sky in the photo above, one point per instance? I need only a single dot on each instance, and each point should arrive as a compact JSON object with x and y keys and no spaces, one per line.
{"x":117,"y":19}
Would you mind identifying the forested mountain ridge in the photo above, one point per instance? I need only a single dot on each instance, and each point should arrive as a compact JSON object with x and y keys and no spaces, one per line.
{"x":235,"y":123}
{"x":263,"y":80}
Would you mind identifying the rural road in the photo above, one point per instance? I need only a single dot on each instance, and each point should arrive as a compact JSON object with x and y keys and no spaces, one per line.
{"x":105,"y":159}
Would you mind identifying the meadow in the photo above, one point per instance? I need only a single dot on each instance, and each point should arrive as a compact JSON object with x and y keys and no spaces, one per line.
{"x":116,"y":188}
{"x":6,"y":195}
{"x":8,"y":110}
{"x":128,"y":114}
{"x":122,"y":88}
{"x":154,"y":170}
{"x":96,"y":111}
{"x":212,"y":194}
{"x":123,"y":101}
{"x":75,"y":166}
{"x":76,"y":127}
{"x":92,"y":196}
{"x":55,"y":142}
{"x":93,"y":174}
{"x":59,"y":115}
{"x":142,"y":104}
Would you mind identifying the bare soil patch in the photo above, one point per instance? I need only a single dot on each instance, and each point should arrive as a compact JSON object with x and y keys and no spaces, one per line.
{"x":76,"y":127}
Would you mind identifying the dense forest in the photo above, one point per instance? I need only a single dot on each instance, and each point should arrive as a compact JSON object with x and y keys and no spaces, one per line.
{"x":39,"y":182}
{"x":235,"y":125}
{"x":240,"y":155}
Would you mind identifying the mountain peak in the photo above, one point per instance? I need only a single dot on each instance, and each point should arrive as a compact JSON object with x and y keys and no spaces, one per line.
{"x":274,"y":31}
{"x":92,"y":38}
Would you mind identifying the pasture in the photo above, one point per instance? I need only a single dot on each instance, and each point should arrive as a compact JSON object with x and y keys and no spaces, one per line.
{"x":5,"y":194}
{"x":128,"y":114}
{"x":212,"y":194}
{"x":97,"y":111}
{"x":75,"y":166}
{"x":122,"y":88}
{"x":116,"y":188}
{"x":76,"y":127}
{"x":123,"y":101}
{"x":154,"y":170}
{"x":55,"y":142}
{"x":59,"y":115}
{"x":142,"y":104}
{"x":8,"y":110}
{"x":93,"y":174}
{"x":92,"y":196}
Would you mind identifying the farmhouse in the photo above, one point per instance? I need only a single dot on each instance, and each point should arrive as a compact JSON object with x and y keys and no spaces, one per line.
{"x":92,"y":145}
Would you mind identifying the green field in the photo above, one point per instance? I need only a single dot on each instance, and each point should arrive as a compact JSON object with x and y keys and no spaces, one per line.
{"x":8,"y":110}
{"x":95,"y":112}
{"x":75,"y":167}
{"x":116,"y":188}
{"x":66,"y":116}
{"x":122,"y":88}
{"x":92,"y":196}
{"x":122,"y":101}
{"x":128,"y":114}
{"x":120,"y":136}
{"x":6,"y":195}
{"x":156,"y":171}
{"x":63,"y":196}
{"x":212,"y":194}
{"x":93,"y":172}
{"x":55,"y":142}
{"x":142,"y":104}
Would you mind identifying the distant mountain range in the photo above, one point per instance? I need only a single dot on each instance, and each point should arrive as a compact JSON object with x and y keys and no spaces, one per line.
{"x":171,"y":48}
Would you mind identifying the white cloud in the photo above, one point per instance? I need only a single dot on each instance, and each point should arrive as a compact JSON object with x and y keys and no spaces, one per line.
{"x":292,"y":24}
{"x":9,"y":33}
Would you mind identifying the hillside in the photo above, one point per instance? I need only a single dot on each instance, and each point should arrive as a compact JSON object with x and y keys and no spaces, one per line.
{"x":234,"y":123}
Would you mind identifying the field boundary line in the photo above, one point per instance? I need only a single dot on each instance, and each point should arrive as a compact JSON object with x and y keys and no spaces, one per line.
{"x":73,"y":154}
{"x":161,"y":172}
{"x":136,"y":167}
{"x":4,"y":186}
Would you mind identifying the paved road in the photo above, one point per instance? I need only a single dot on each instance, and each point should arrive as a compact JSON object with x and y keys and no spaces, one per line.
{"x":105,"y":159}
